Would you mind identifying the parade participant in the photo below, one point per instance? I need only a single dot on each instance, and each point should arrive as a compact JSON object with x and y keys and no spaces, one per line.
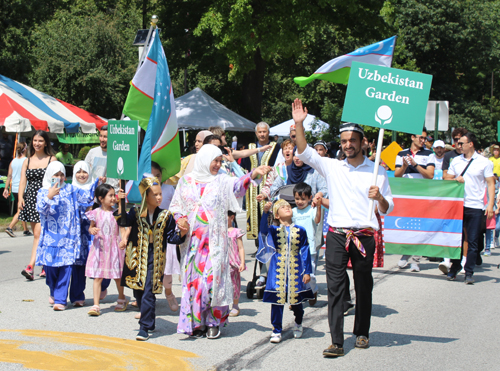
{"x":151,"y":228}
{"x":236,"y":260}
{"x":83,"y":180}
{"x":97,"y":159}
{"x":321,"y":147}
{"x":415,"y":163}
{"x":351,"y":232}
{"x":203,"y":196}
{"x":266,"y":157}
{"x":32,"y":173}
{"x":279,"y":171}
{"x":64,"y":156}
{"x":476,"y":172}
{"x":105,"y":259}
{"x":58,"y":204}
{"x":13,"y":180}
{"x":286,"y":249}
{"x":308,"y":217}
{"x":449,"y":156}
{"x":298,"y":172}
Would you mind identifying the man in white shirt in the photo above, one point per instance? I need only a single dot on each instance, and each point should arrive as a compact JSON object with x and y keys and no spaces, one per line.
{"x":476,"y":172}
{"x":97,"y":159}
{"x":350,"y":233}
{"x":438,"y":156}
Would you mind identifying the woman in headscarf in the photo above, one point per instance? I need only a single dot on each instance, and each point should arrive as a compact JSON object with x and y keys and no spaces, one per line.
{"x":58,"y":205}
{"x":203,"y":197}
{"x":187,"y":162}
{"x":298,"y":172}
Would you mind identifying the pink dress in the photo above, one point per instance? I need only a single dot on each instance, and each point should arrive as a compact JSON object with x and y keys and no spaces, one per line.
{"x":105,"y":258}
{"x":235,"y":261}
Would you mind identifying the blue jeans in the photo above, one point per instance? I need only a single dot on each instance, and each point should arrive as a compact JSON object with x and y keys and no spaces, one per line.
{"x":489,"y":239}
{"x":472,"y":226}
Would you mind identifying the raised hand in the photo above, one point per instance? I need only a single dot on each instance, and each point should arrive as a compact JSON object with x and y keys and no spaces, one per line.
{"x":299,"y":113}
{"x":261,"y":171}
{"x":268,"y":206}
{"x":229,"y":157}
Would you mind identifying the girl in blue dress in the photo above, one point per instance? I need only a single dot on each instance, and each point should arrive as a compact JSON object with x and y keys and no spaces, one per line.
{"x":58,"y":204}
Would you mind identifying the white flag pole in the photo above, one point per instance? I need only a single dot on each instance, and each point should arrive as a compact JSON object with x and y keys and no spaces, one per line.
{"x":375,"y":170}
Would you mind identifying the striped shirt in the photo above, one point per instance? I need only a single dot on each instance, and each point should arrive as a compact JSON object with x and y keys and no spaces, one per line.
{"x":422,"y":158}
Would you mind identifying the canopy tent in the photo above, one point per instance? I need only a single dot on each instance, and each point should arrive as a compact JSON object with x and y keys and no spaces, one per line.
{"x":23,"y":108}
{"x":197,"y":110}
{"x":283,"y":129}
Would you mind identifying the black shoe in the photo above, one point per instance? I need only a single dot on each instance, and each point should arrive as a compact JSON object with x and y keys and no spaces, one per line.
{"x":142,"y":335}
{"x":199,"y":334}
{"x":469,"y":280}
{"x":348,"y":310}
{"x":10,"y":232}
{"x":27,"y":234}
{"x":213,"y":332}
{"x":451,"y":276}
{"x":362,"y":342}
{"x":333,"y":351}
{"x":313,"y":302}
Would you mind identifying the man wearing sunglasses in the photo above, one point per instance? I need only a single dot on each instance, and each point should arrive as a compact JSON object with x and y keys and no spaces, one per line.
{"x":449,"y":156}
{"x":476,"y":172}
{"x":416,"y":163}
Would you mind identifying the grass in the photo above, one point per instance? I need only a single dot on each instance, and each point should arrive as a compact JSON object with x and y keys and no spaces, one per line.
{"x":5,"y":220}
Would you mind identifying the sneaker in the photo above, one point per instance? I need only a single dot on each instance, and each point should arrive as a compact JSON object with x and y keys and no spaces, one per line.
{"x":333,"y":351}
{"x":142,"y":335}
{"x":451,"y":276}
{"x":28,"y":273}
{"x":349,"y":310}
{"x":213,"y":332}
{"x":469,"y":280}
{"x":234,"y":312}
{"x":27,"y":234}
{"x":401,"y":264}
{"x":414,"y":267}
{"x":297,"y":331}
{"x":10,"y":232}
{"x":487,"y":252}
{"x":42,"y":273}
{"x":443,"y":267}
{"x":275,"y":338}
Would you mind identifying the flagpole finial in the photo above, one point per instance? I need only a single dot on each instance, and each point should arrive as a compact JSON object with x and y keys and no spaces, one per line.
{"x":154,"y":20}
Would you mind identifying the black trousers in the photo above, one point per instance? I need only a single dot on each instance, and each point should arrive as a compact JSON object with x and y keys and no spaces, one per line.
{"x":336,"y":258}
{"x":146,"y":300}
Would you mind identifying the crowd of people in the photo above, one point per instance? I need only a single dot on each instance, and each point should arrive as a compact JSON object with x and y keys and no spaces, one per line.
{"x":186,"y":224}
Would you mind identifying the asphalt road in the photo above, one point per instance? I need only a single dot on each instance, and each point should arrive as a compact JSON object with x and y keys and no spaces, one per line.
{"x":420,"y":322}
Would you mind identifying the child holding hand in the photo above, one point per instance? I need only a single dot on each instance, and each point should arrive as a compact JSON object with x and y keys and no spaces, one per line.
{"x":236,"y":260}
{"x":286,"y":247}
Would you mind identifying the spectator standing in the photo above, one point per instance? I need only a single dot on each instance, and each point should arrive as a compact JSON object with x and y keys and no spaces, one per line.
{"x":495,"y":158}
{"x":6,"y":151}
{"x":476,"y":172}
{"x":234,"y":145}
{"x":97,"y":158}
{"x":64,"y":155}
{"x":437,"y":158}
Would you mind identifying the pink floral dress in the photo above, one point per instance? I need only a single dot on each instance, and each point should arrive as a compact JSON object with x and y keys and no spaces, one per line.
{"x":235,"y":261}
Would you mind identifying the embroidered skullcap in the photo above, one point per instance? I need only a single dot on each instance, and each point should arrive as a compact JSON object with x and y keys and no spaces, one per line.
{"x":321,"y":143}
{"x":350,"y":126}
{"x":278,"y":205}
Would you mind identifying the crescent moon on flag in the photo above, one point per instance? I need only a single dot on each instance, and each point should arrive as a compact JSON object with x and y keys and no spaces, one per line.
{"x":381,"y":45}
{"x":396,"y":223}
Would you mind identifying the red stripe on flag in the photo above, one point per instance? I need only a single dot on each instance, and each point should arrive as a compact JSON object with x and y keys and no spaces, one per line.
{"x":422,"y":208}
{"x":166,"y":144}
{"x":140,"y":91}
{"x":149,"y":59}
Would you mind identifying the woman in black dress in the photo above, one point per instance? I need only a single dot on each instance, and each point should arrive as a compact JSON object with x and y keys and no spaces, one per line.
{"x":39,"y":157}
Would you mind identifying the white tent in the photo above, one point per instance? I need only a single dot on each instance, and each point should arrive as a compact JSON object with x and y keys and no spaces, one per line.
{"x":197,"y":110}
{"x":283,"y":129}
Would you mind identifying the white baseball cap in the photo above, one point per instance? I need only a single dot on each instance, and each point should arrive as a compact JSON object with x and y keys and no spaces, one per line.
{"x":438,"y":143}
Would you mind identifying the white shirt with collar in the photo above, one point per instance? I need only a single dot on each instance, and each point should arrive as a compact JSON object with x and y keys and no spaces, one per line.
{"x":475,"y":178}
{"x":348,"y":188}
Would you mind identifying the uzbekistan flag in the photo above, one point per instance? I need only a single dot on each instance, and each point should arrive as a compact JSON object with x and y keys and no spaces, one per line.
{"x":337,"y":70}
{"x":161,"y":143}
{"x":427,"y":218}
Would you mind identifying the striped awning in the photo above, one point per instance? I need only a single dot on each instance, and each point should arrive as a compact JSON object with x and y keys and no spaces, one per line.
{"x":23,"y":109}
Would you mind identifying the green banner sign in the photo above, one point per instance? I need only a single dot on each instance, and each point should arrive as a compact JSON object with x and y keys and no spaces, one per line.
{"x":78,"y":138}
{"x":123,"y":146}
{"x":498,"y":130}
{"x":387,"y":98}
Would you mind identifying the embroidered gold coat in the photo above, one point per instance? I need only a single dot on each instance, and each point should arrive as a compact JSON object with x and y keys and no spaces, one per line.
{"x":287,"y":251}
{"x":135,"y":268}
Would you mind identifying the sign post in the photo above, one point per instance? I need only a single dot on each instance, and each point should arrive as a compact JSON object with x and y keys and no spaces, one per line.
{"x":123,"y":154}
{"x":386,"y":98}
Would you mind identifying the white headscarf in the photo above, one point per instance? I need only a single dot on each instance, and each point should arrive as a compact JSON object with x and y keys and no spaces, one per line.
{"x":82,"y":165}
{"x":204,"y":157}
{"x":53,"y":168}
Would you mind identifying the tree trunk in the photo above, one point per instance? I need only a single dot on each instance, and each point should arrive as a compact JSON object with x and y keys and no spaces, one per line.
{"x":253,"y":87}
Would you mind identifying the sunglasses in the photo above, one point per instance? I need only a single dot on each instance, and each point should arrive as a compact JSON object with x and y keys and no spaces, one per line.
{"x":456,"y":139}
{"x":292,"y":136}
{"x":460,"y":144}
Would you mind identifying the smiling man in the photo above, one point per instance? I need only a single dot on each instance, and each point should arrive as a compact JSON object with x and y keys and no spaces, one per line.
{"x":97,"y":159}
{"x":350,"y":233}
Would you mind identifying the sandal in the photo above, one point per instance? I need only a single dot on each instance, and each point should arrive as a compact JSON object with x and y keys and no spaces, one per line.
{"x":234,"y":312}
{"x":94,"y":311}
{"x":121,"y":305}
{"x":134,"y":304}
{"x":172,"y":302}
{"x":59,"y":307}
{"x":79,"y":303}
{"x":362,"y":342}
